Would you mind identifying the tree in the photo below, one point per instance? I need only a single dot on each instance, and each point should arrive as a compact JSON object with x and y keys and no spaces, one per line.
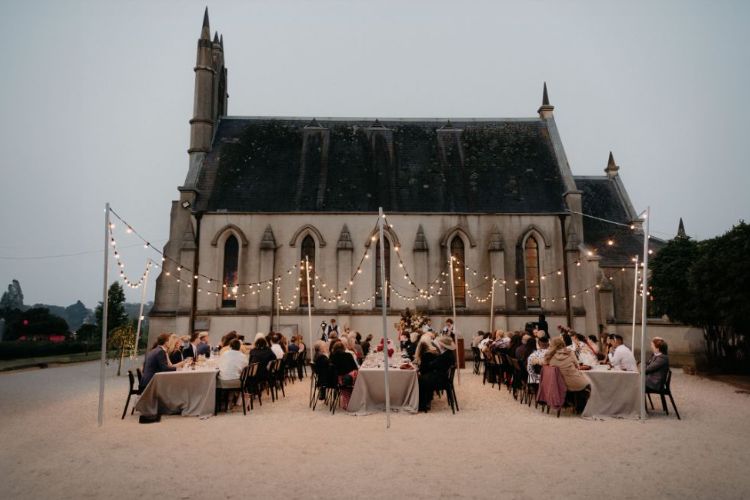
{"x":76,"y":314}
{"x":705,"y":284}
{"x":670,"y":284}
{"x":13,"y":298}
{"x":116,"y":315}
{"x":121,"y":341}
{"x":34,"y":323}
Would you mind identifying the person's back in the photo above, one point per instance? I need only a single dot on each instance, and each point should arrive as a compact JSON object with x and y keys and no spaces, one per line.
{"x":262,"y":355}
{"x":232,"y":362}
{"x":343,"y":362}
{"x":565,"y":361}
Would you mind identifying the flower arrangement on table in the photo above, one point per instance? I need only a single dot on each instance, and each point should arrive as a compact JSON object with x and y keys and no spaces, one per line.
{"x":412,"y":321}
{"x":379,"y":348}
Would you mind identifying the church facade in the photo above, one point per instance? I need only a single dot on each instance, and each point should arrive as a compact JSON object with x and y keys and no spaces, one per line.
{"x":267,"y":201}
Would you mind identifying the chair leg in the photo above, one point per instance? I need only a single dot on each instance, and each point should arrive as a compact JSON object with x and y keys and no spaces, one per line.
{"x":674,"y":406}
{"x":650,"y":401}
{"x":664,"y":404}
{"x":125,"y":411}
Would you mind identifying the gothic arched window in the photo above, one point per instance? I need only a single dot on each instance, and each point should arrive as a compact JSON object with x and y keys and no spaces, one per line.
{"x":387,"y":263}
{"x":307,"y":249}
{"x":531,"y":263}
{"x":231,"y":272}
{"x":459,"y":271}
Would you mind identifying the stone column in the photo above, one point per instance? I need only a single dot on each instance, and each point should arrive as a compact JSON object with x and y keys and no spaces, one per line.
{"x":266,"y":272}
{"x":344,"y":270}
{"x":420,"y":253}
{"x":496,"y":251}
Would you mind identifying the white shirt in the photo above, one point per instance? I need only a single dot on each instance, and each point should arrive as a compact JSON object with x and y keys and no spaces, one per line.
{"x":277,"y":350}
{"x":623,"y":359}
{"x":231,"y":364}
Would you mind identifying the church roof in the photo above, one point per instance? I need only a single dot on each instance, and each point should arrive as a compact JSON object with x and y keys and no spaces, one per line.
{"x":603,"y":198}
{"x":261,"y":164}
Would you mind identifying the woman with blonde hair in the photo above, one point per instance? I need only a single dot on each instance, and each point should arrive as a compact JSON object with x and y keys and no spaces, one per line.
{"x":426,"y":351}
{"x":175,"y":349}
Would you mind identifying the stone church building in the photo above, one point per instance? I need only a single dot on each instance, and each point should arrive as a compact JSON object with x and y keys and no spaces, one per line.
{"x":262,"y":195}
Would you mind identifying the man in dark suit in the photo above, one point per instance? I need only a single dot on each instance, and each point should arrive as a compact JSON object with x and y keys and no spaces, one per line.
{"x":157,"y":360}
{"x":191,"y":351}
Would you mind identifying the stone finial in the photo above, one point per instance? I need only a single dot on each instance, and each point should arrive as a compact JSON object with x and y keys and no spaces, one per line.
{"x":681,"y":231}
{"x":313,"y":124}
{"x":268,"y":241}
{"x":345,"y":239}
{"x":546,"y":109}
{"x":377,"y":124}
{"x":420,"y":241}
{"x":612,"y":167}
{"x":205,"y":30}
{"x":496,"y":240}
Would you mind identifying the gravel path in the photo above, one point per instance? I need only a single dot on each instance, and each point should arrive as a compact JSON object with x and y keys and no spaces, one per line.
{"x":51,"y":447}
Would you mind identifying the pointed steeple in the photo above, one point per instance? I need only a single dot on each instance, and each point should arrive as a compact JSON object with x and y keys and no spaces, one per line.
{"x":612,"y":167}
{"x":205,"y":30}
{"x":545,"y":110}
{"x":420,"y":242}
{"x":221,"y":41}
{"x":313,"y":124}
{"x":345,"y":239}
{"x":216,"y":37}
{"x":681,"y":231}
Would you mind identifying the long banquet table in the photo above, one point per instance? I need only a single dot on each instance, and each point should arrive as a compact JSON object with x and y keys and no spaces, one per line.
{"x":614,"y":393}
{"x":368,"y":395}
{"x":187,"y":392}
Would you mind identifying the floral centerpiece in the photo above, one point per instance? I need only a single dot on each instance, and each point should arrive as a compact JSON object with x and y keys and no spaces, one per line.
{"x":390,"y":347}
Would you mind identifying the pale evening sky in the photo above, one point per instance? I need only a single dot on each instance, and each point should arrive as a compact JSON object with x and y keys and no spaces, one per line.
{"x":96,"y":96}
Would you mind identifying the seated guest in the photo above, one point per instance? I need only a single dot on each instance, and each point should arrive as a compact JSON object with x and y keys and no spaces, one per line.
{"x":262,"y":355}
{"x":349,"y":345}
{"x":536,"y":359}
{"x":283,"y":342}
{"x":477,"y":338}
{"x":157,"y":360}
{"x":292,"y":346}
{"x":583,"y":351}
{"x":276,"y":346}
{"x":345,"y":369}
{"x":366,"y":345}
{"x":204,"y":349}
{"x":565,"y":360}
{"x":357,"y":347}
{"x":658,"y":365}
{"x":621,"y":357}
{"x":433,"y":367}
{"x":191,"y":351}
{"x":425,"y":353}
{"x":231,"y":364}
{"x":174,"y":349}
{"x":484,"y":345}
{"x":593,"y":343}
{"x":322,"y":367}
{"x":225,"y":341}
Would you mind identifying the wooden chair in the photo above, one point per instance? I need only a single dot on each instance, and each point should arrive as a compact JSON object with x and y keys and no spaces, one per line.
{"x":477,"y":358}
{"x":251,"y":387}
{"x":663,"y":392}
{"x":132,"y":391}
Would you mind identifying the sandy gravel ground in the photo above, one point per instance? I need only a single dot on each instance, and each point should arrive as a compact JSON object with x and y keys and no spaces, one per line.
{"x":51,"y":447}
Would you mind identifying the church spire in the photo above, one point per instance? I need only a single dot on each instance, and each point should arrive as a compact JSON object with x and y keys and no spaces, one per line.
{"x":612,"y":167}
{"x":681,"y":231}
{"x":205,"y":30}
{"x":546,"y":109}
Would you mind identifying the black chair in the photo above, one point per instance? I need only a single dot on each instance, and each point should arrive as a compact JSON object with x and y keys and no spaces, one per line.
{"x":275,"y":379}
{"x":477,"y":358}
{"x":450,"y":390}
{"x":663,"y":392}
{"x":224,"y":391}
{"x":490,"y":369}
{"x":251,"y":386}
{"x":290,"y":366}
{"x":133,"y":391}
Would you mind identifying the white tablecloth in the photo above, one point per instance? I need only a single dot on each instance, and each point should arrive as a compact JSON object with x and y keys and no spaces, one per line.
{"x":368,"y":395}
{"x":614,"y":393}
{"x":188,"y":392}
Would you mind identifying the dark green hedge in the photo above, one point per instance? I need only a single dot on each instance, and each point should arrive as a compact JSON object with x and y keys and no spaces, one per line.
{"x":31,"y":349}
